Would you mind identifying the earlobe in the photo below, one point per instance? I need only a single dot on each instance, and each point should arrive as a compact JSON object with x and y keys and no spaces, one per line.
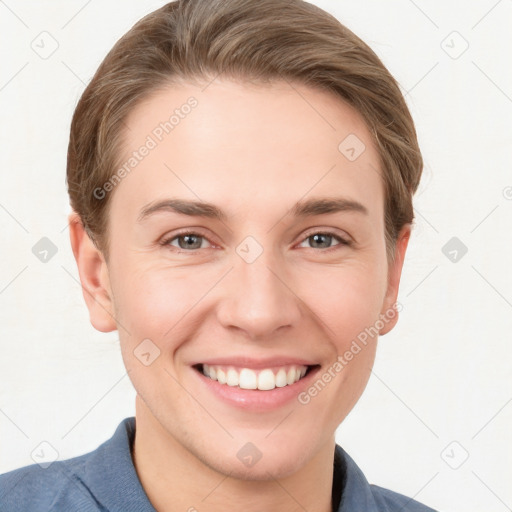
{"x":389,"y":309}
{"x":94,"y":276}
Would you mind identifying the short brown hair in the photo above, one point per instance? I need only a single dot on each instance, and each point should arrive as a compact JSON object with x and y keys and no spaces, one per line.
{"x":259,"y":40}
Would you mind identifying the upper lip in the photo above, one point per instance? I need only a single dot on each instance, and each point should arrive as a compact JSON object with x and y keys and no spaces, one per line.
{"x":248,"y":362}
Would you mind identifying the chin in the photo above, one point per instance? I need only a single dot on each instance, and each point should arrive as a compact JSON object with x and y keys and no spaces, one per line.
{"x":273,"y":467}
{"x":263,"y":461}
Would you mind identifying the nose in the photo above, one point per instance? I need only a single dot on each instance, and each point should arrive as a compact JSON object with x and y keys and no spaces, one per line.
{"x":258,"y":298}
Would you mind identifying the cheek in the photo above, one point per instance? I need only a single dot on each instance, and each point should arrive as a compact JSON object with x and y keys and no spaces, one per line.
{"x":347,"y":299}
{"x":154,"y":302}
{"x":155,"y":305}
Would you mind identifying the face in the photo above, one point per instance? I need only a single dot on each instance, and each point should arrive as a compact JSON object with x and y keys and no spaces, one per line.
{"x":278,"y":274}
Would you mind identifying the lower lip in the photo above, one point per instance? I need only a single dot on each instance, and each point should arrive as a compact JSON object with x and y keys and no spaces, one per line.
{"x":254,"y":399}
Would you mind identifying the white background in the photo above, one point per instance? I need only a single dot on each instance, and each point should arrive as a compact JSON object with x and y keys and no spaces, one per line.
{"x":442,"y":375}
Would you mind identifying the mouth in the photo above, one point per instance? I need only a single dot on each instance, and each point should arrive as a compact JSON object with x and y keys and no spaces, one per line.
{"x":263,"y":379}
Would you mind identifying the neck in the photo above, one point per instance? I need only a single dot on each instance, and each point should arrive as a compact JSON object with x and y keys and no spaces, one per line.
{"x":175,"y":480}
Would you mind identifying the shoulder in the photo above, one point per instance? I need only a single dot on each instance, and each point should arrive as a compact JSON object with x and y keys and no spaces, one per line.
{"x":359,"y":495}
{"x":391,"y":501}
{"x":56,"y":487}
{"x":103,"y":479}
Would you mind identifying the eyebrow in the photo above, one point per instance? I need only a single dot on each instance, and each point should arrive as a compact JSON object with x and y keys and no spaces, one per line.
{"x":308,"y":208}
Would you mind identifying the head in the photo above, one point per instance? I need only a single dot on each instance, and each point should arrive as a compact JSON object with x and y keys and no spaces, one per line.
{"x":258,"y":109}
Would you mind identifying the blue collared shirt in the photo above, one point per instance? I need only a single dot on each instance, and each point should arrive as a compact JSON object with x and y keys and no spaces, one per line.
{"x":105,"y":480}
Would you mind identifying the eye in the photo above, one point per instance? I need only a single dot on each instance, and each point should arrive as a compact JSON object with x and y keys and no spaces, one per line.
{"x":319,"y":239}
{"x":187,"y":241}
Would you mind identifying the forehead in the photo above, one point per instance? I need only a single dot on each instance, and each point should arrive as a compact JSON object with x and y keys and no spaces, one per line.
{"x":243,"y":144}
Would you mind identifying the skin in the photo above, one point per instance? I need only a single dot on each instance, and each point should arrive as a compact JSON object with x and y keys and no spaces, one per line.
{"x":252,"y":151}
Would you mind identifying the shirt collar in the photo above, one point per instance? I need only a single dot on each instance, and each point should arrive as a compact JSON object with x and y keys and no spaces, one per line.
{"x":111,"y":476}
{"x":357,"y":493}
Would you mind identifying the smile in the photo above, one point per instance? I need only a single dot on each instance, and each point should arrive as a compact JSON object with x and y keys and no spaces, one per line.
{"x":264,"y":379}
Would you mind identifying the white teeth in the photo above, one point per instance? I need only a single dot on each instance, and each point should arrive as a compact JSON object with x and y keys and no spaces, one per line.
{"x":232,"y":378}
{"x":281,"y":379}
{"x":263,"y":380}
{"x":248,"y":379}
{"x":221,"y":376}
{"x":266,"y":380}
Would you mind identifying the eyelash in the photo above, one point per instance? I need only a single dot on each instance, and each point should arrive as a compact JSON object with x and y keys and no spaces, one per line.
{"x":342,"y":241}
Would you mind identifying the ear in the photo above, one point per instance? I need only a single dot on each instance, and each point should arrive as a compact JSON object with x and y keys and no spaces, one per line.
{"x":94,"y":277}
{"x":394,"y":274}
